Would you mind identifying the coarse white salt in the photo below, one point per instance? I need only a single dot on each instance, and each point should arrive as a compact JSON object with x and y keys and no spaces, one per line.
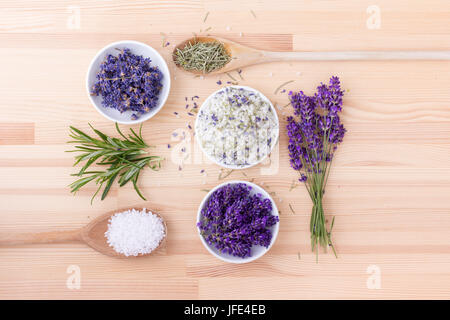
{"x":135,"y":232}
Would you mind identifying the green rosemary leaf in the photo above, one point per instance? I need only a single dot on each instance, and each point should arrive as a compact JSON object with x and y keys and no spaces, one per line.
{"x":81,"y":182}
{"x":120,"y":132}
{"x":81,"y":133}
{"x":123,"y":158}
{"x":137,"y":189}
{"x":108,"y":185}
{"x":100,"y":134}
{"x":88,"y":163}
{"x":96,"y":192}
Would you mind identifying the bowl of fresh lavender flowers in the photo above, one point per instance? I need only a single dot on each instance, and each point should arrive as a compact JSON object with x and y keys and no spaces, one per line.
{"x":128,"y":82}
{"x":238,"y":221}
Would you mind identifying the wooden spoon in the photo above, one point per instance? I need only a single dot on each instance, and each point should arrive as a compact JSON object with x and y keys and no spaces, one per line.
{"x":93,"y":234}
{"x":243,"y":56}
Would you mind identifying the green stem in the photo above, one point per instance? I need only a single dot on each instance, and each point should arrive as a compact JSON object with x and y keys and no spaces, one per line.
{"x":320,"y":236}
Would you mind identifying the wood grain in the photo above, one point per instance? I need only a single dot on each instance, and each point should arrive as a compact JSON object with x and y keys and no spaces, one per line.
{"x":388,"y":187}
{"x":16,"y":133}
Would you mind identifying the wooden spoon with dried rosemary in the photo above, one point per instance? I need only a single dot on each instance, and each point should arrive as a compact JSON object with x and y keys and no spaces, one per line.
{"x":241,"y":56}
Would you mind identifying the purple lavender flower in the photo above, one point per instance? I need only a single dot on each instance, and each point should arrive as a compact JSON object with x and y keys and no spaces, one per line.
{"x":314,"y":134}
{"x":128,"y":82}
{"x":233,"y":220}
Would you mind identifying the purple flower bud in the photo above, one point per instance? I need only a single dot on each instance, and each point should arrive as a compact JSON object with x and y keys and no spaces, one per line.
{"x":316,"y":130}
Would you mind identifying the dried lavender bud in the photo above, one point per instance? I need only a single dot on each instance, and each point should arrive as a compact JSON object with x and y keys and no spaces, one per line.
{"x":233,"y":220}
{"x":128,"y":82}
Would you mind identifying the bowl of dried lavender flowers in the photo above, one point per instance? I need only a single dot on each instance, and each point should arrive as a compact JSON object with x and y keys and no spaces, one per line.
{"x":238,"y":221}
{"x":128,"y":82}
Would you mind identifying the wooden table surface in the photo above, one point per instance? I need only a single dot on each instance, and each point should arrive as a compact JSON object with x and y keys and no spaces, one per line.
{"x":389,"y":185}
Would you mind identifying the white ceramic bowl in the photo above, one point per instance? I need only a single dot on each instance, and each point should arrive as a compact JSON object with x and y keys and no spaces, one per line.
{"x":257,"y":251}
{"x":137,"y":48}
{"x":235,"y":166}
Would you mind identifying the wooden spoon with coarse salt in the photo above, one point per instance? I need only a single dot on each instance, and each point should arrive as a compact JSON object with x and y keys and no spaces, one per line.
{"x":93,"y":234}
{"x":243,"y":56}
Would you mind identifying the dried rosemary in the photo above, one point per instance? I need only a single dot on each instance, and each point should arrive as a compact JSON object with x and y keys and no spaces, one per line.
{"x":202,"y":56}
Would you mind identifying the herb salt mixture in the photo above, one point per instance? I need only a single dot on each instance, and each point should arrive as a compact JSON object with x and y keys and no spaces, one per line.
{"x":237,"y":127}
{"x":202,"y":56}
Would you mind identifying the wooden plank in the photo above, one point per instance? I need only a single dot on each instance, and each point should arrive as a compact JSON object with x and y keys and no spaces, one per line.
{"x":16,"y":133}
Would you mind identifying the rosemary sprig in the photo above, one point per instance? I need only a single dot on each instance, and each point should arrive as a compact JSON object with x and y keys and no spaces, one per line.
{"x":125,"y":158}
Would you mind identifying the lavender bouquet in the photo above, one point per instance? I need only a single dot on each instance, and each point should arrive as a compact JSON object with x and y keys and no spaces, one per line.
{"x":313,"y":138}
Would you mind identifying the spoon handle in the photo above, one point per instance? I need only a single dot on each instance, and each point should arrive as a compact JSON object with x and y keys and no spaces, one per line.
{"x":35,"y":238}
{"x":356,"y":55}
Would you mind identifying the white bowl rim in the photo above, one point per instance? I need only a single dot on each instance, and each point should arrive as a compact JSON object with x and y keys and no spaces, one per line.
{"x":235,"y":167}
{"x":275,"y":212}
{"x":166,"y":73}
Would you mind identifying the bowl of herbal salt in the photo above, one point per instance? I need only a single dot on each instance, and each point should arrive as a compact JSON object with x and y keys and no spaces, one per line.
{"x":237,"y":127}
